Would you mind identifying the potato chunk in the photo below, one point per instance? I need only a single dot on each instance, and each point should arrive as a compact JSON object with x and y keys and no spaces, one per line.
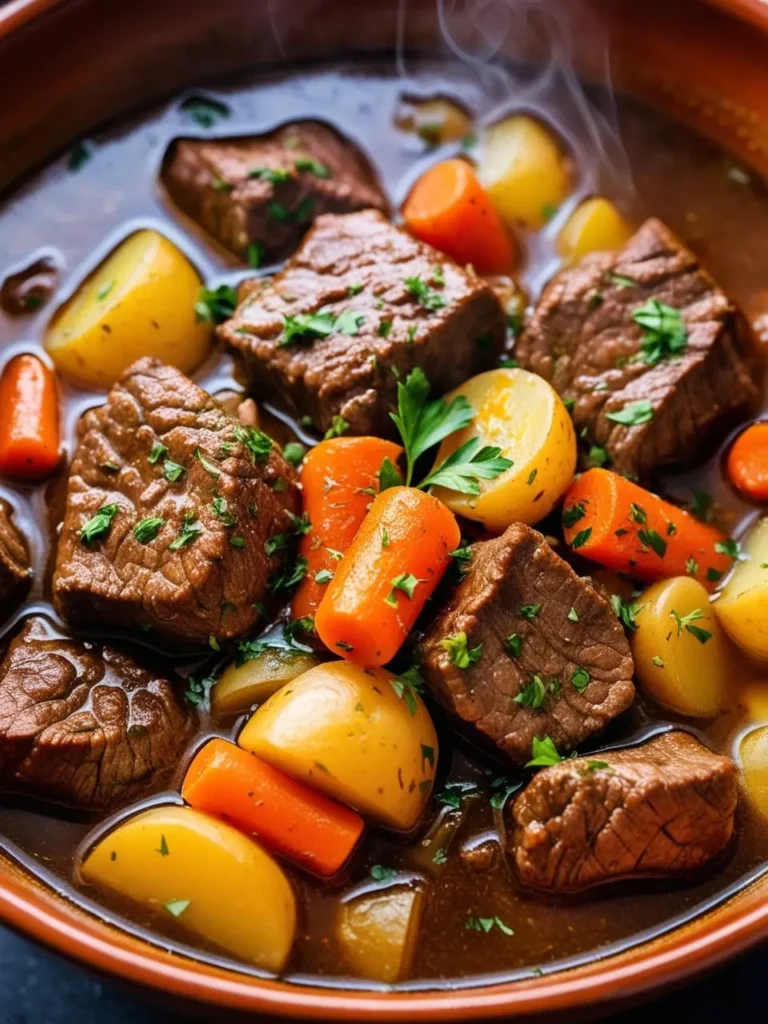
{"x":377,"y":932}
{"x":346,"y":731}
{"x":524,"y":170}
{"x":681,"y":657}
{"x":520,"y":413}
{"x":594,"y":226}
{"x":216,"y":882}
{"x":742,"y":603}
{"x":241,"y":686}
{"x":139,"y":302}
{"x":753,"y":754}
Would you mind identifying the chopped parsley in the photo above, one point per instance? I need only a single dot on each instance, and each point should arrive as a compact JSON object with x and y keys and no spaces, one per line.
{"x":315,"y":167}
{"x":633,"y":414}
{"x":625,"y":611}
{"x":380,"y":873}
{"x":573,"y":514}
{"x":685,"y":622}
{"x":729,"y":547}
{"x":691,"y":566}
{"x":429,"y":298}
{"x":338,"y":427}
{"x":221,"y":511}
{"x":189,"y":532}
{"x":702,"y":506}
{"x":176,"y":907}
{"x":104,"y":291}
{"x":288,"y":577}
{"x":157,"y":452}
{"x":323,"y":576}
{"x":459,"y":653}
{"x":274,"y":175}
{"x":79,"y":155}
{"x":385,"y":326}
{"x":515,"y":644}
{"x":215,"y":305}
{"x":172,"y":471}
{"x":573,"y":615}
{"x":530,"y":611}
{"x":533,"y":695}
{"x":653,"y":540}
{"x":580,"y":680}
{"x":658,"y":661}
{"x":407,"y":686}
{"x":637,"y":513}
{"x":598,"y":456}
{"x":581,"y":538}
{"x":544,"y":753}
{"x":206,"y":464}
{"x":405,"y":582}
{"x":258,"y":444}
{"x":254,"y":254}
{"x":198,"y":692}
{"x":147,"y":529}
{"x":98,"y":525}
{"x":487,"y":924}
{"x":665,"y":334}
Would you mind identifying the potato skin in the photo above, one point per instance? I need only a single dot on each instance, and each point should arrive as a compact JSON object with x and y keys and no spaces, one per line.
{"x":239,"y":687}
{"x":594,"y":226}
{"x":522,"y":414}
{"x":344,"y":730}
{"x":753,"y":755}
{"x":742,"y":603}
{"x":139,"y":302}
{"x":377,"y":932}
{"x":692,"y":678}
{"x":524,"y":171}
{"x":238,"y":896}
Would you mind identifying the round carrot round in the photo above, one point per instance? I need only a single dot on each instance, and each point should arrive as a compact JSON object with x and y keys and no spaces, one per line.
{"x":747,"y":462}
{"x":29,"y":419}
{"x":623,"y":527}
{"x":449,"y":209}
{"x":381,"y":585}
{"x":340,"y":479}
{"x":303,"y":825}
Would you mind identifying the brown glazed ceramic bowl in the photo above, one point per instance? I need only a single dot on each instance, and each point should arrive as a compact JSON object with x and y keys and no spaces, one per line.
{"x":66,"y":65}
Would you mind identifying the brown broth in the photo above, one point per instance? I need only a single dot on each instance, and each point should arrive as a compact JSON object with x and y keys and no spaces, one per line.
{"x":718,"y":208}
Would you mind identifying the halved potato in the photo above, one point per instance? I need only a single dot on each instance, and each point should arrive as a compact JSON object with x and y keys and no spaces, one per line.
{"x":742,"y":603}
{"x":241,"y":686}
{"x":525,"y":171}
{"x":377,"y":932}
{"x":753,"y":754}
{"x":594,"y":226}
{"x":523,"y":415}
{"x":139,"y":302}
{"x":436,"y":120}
{"x":216,"y":882}
{"x":346,"y":731}
{"x":681,"y":658}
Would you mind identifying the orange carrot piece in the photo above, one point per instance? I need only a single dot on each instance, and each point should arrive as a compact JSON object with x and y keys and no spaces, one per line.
{"x":623,"y":527}
{"x":29,"y":419}
{"x":748,"y":462}
{"x":381,"y":585}
{"x":449,"y":209}
{"x":296,"y":821}
{"x":339,"y":478}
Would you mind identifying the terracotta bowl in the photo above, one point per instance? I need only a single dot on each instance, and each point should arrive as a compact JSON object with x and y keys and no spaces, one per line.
{"x":66,"y":65}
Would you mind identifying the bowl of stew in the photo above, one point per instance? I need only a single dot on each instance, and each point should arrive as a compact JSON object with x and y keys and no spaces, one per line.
{"x":383,"y":475}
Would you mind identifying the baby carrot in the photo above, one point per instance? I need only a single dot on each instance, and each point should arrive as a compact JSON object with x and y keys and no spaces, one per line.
{"x":392,"y":566}
{"x":623,"y":527}
{"x":339,"y":479}
{"x":748,"y":462}
{"x":29,"y":419}
{"x":303,"y":825}
{"x":449,"y":209}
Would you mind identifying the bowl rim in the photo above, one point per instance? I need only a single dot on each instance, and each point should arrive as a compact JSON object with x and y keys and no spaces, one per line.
{"x":704,"y":942}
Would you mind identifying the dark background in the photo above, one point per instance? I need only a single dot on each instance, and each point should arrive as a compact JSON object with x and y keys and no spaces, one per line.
{"x":38,"y":988}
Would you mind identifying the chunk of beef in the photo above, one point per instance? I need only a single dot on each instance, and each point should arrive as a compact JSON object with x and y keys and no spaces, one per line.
{"x":385,"y":304}
{"x":582,"y":337}
{"x":196,"y":495}
{"x":553,"y":659}
{"x":665,"y":808}
{"x":82,"y":724}
{"x":265,"y":190}
{"x":14,"y":560}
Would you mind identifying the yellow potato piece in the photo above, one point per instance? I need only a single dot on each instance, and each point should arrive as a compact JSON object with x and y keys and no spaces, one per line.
{"x":753,"y":754}
{"x":742,"y":603}
{"x":594,"y":226}
{"x":216,"y":882}
{"x":753,"y":697}
{"x":672,"y":663}
{"x":377,"y":932}
{"x":345,"y":731}
{"x":523,"y":415}
{"x":436,"y":120}
{"x":241,"y":686}
{"x":139,"y":302}
{"x":524,"y":170}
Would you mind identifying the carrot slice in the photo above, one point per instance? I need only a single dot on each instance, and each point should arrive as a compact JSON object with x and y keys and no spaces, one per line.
{"x":29,"y":419}
{"x":296,"y":821}
{"x":339,"y":479}
{"x":449,"y":209}
{"x":748,"y":462}
{"x":381,"y":585}
{"x":623,"y":527}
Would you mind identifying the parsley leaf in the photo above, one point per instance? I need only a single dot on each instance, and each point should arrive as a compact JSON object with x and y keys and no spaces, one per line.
{"x":98,"y":525}
{"x":198,"y":692}
{"x":157,"y":452}
{"x":633,"y":413}
{"x":188,"y":532}
{"x":407,"y":685}
{"x":338,"y":427}
{"x":274,"y":175}
{"x":533,"y":695}
{"x":625,"y":611}
{"x":216,"y":305}
{"x":665,"y":332}
{"x":406,"y":582}
{"x":486,"y":924}
{"x":544,"y":753}
{"x":294,"y":452}
{"x":461,"y":470}
{"x":172,"y":471}
{"x":459,"y":653}
{"x":573,"y":514}
{"x":685,"y":622}
{"x":653,"y":540}
{"x":380,"y":873}
{"x":147,"y":529}
{"x":258,"y":443}
{"x":580,"y":680}
{"x":530,"y":611}
{"x":729,"y":547}
{"x":430,"y":299}
{"x":319,"y":170}
{"x":581,"y":538}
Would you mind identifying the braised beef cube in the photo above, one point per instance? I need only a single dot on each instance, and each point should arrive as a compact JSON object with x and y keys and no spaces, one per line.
{"x":170,"y":504}
{"x":14,"y":561}
{"x":664,"y":808}
{"x":360,"y":305}
{"x":524,"y":648}
{"x":83,"y":724}
{"x":690,"y":362}
{"x":257,"y":195}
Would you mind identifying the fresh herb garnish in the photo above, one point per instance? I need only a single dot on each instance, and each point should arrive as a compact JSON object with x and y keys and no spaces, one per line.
{"x":573,"y":615}
{"x":189,"y":531}
{"x":380,"y":873}
{"x":685,"y":622}
{"x":289,"y":577}
{"x":405,"y":582}
{"x":665,"y":332}
{"x":157,"y":451}
{"x":459,"y":653}
{"x":207,"y":465}
{"x":691,"y":566}
{"x":176,"y":907}
{"x":294,"y":452}
{"x":633,"y":414}
{"x":533,"y":695}
{"x":319,"y":170}
{"x":573,"y":514}
{"x":544,"y":753}
{"x":389,"y":475}
{"x":598,"y":456}
{"x":581,"y":538}
{"x":653,"y":540}
{"x":462,"y":469}
{"x":729,"y":547}
{"x":625,"y":611}
{"x":147,"y":529}
{"x":221,"y":511}
{"x":274,"y":175}
{"x":338,"y":427}
{"x":258,"y":444}
{"x":702,"y":506}
{"x":98,"y":525}
{"x":323,"y":576}
{"x":79,"y":155}
{"x":580,"y":680}
{"x":215,"y":305}
{"x":529,"y":611}
{"x":254,"y":254}
{"x":486,"y":924}
{"x":384,"y":328}
{"x":407,"y":686}
{"x":172,"y":471}
{"x":104,"y":291}
{"x":515,"y":644}
{"x":430,"y":299}
{"x":198,"y":692}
